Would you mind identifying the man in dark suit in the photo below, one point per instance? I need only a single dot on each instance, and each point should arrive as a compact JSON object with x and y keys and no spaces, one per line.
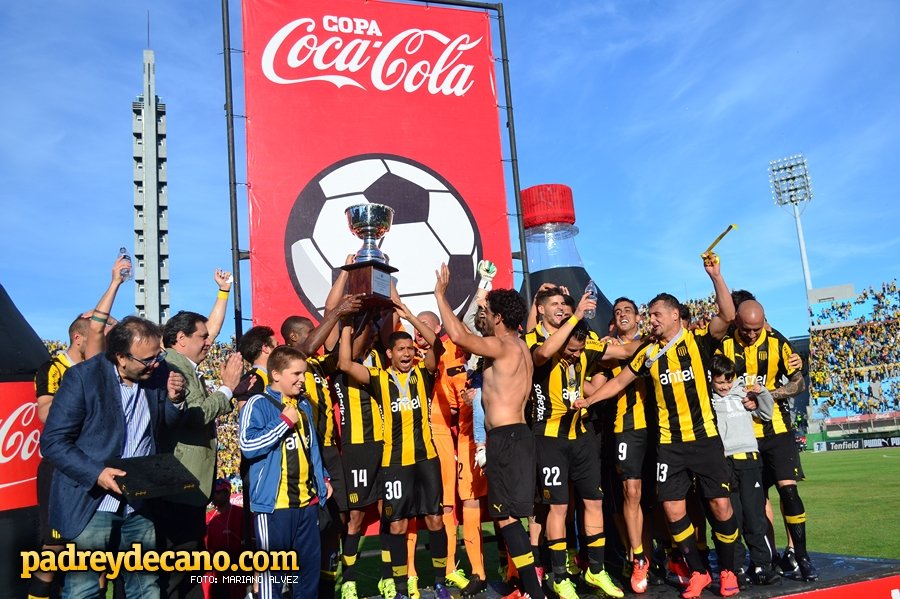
{"x":114,"y":405}
{"x":181,"y":519}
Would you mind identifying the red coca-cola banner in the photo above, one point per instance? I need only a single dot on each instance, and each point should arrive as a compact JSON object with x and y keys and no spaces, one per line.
{"x":20,"y":435}
{"x":355,"y":101}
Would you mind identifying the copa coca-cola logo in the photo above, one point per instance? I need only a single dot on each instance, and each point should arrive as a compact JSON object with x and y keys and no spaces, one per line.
{"x":19,"y":435}
{"x":349,"y":51}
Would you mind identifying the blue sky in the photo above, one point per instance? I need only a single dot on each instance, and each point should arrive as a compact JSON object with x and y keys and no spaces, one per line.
{"x":662,"y":117}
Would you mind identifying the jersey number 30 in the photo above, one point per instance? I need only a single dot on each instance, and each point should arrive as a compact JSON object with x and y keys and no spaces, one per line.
{"x":393,"y":490}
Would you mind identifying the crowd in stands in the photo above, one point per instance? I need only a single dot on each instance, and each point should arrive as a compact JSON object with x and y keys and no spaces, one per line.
{"x":869,"y":306}
{"x":702,"y":311}
{"x":855,"y":368}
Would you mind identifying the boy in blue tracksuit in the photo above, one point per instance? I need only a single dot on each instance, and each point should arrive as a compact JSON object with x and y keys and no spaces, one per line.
{"x":287,"y":478}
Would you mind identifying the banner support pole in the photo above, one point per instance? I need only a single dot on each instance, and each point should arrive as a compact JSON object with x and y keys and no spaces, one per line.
{"x":513,"y":154}
{"x":236,"y":253}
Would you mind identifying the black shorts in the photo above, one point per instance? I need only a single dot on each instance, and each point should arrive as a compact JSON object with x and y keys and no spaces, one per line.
{"x":331,"y":456}
{"x":511,"y":469}
{"x":362,"y":465}
{"x":561,"y":461}
{"x":705,"y":458}
{"x":633,"y":450}
{"x":781,"y":460}
{"x":410,"y":491}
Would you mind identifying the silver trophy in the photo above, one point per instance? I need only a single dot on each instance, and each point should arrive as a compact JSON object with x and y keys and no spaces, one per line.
{"x":369,"y":274}
{"x":370,"y":222}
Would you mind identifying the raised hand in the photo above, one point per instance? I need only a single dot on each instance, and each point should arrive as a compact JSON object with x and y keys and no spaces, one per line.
{"x":487,"y":270}
{"x":587,"y":303}
{"x":350,"y":304}
{"x":443,"y":280}
{"x":121,"y":263}
{"x":403,"y":311}
{"x":223,"y":279}
{"x":711,"y":264}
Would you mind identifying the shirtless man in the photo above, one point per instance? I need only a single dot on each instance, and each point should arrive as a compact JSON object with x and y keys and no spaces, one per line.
{"x":510,"y":444}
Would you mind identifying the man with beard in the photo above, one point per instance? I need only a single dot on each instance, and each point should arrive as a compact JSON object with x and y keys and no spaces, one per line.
{"x":676,"y":360}
{"x":115,"y":405}
{"x":508,"y":370}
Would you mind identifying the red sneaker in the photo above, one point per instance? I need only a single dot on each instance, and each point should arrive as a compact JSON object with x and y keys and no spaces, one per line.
{"x":728,"y":583}
{"x":639,"y":576}
{"x":679,"y":570}
{"x":698,"y":582}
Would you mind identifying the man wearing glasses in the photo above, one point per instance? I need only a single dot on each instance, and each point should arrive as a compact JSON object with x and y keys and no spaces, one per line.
{"x":181,"y":519}
{"x":114,"y":405}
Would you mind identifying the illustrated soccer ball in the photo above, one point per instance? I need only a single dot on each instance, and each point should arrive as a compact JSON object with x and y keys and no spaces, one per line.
{"x":432,"y":225}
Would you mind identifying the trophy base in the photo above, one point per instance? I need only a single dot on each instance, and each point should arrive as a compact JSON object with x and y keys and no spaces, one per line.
{"x":372,"y":281}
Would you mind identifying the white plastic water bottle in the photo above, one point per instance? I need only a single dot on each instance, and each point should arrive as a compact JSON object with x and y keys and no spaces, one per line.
{"x":125,"y":273}
{"x":591,"y":290}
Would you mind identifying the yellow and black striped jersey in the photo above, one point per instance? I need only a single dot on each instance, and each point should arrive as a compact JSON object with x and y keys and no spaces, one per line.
{"x":556,"y":384}
{"x":49,"y":375}
{"x":297,"y":485}
{"x":253,"y":382}
{"x":680,"y":385}
{"x":763,"y":362}
{"x":632,"y":404}
{"x":360,"y":414}
{"x":404,"y":400}
{"x":318,"y":369}
{"x":539,"y":334}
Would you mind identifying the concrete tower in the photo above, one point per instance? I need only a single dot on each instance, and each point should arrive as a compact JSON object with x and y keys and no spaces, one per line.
{"x":151,"y":201}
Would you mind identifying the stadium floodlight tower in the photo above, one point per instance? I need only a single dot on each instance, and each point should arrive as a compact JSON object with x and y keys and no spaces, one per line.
{"x":791,"y":187}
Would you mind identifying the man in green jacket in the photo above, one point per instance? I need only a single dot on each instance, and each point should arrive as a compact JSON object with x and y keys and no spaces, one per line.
{"x":181,"y":520}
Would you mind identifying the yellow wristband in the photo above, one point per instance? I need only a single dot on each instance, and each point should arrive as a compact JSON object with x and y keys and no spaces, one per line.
{"x":222,"y":294}
{"x":573,"y":321}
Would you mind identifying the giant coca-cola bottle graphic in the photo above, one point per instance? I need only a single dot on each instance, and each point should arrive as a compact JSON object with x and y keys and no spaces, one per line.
{"x":548,"y":212}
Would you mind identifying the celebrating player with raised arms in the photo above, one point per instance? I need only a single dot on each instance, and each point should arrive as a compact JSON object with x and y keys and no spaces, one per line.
{"x":410,"y":470}
{"x":508,"y":370}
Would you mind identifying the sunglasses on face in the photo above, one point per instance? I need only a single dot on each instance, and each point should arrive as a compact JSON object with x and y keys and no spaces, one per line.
{"x":149,"y":362}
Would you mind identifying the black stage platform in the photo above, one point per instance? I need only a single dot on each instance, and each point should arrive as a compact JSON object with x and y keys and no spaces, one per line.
{"x":836,"y":572}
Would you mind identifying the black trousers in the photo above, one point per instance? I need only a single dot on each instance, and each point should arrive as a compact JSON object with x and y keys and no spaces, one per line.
{"x":748,"y":498}
{"x":179,"y":527}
